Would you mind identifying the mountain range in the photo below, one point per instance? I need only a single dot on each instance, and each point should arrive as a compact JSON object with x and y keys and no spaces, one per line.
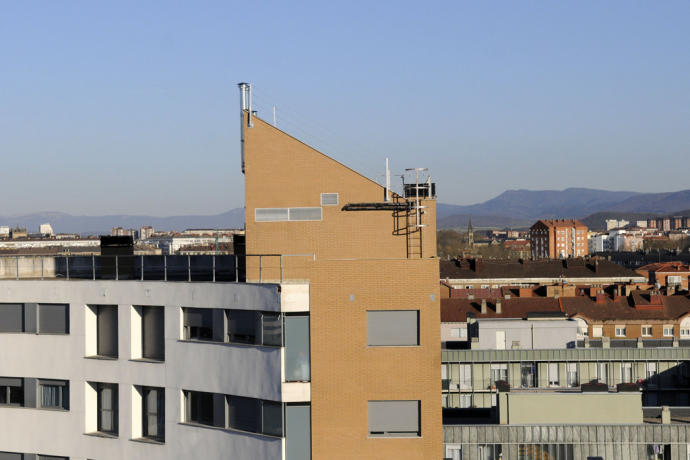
{"x":521,"y":208}
{"x":512,"y":208}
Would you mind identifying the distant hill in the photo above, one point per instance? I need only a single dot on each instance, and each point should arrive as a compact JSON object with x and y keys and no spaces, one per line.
{"x":94,"y":225}
{"x":521,"y":208}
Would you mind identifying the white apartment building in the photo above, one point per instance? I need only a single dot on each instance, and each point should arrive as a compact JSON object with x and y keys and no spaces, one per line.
{"x":153,"y":370}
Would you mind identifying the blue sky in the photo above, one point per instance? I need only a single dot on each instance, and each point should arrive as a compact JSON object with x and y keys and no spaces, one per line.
{"x":132,"y":107}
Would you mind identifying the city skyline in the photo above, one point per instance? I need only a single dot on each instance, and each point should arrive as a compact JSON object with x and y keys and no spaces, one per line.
{"x":132,"y":108}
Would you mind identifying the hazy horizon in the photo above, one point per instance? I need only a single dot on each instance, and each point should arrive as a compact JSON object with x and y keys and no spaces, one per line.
{"x":132,"y":108}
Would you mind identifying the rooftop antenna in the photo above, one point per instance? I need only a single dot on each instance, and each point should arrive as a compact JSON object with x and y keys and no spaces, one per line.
{"x":245,"y":105}
{"x":388,"y":182}
{"x":274,"y":116}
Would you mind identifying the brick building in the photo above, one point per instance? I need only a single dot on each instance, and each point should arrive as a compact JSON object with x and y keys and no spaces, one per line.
{"x":558,"y":239}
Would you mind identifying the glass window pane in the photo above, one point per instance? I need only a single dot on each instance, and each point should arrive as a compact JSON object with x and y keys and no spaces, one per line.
{"x":272,"y":418}
{"x":272,"y":325}
{"x":243,"y":326}
{"x":297,"y":349}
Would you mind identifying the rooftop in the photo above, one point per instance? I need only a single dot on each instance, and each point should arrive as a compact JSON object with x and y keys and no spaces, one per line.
{"x":549,"y":268}
{"x":603,"y":308}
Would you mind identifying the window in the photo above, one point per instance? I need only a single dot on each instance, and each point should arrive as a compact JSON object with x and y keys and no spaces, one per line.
{"x":673,"y":280}
{"x":11,"y":317}
{"x":597,"y":331}
{"x":626,"y":372}
{"x":544,"y":451}
{"x":329,"y":199}
{"x":107,"y":408}
{"x":668,"y":331}
{"x":603,"y":372}
{"x":198,"y":323}
{"x":106,"y":326}
{"x":11,"y":391}
{"x":200,"y":408}
{"x":465,"y":375}
{"x":305,"y":214}
{"x":646,"y":331}
{"x":650,"y":370}
{"x":297,"y":360}
{"x":287,"y":214}
{"x":554,"y":381}
{"x":684,"y":332}
{"x":394,"y":418}
{"x":458,"y":333}
{"x":572,"y":377}
{"x":53,"y":319}
{"x":528,"y":375}
{"x":153,"y":413}
{"x":54,"y":394}
{"x":245,"y":414}
{"x":152,"y":333}
{"x":465,"y":400}
{"x":393,"y":328}
{"x":490,"y":451}
{"x":254,"y":327}
{"x":499,"y":372}
{"x":620,"y":331}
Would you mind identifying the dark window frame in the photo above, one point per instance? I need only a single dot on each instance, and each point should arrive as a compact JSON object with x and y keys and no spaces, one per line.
{"x":62,"y":387}
{"x":114,"y":410}
{"x":159,"y":413}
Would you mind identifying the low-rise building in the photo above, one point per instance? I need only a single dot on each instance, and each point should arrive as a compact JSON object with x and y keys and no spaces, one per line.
{"x":667,"y":274}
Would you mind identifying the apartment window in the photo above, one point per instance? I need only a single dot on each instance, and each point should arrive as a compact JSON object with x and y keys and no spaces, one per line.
{"x":626,"y":372}
{"x":668,"y":331}
{"x":673,"y":280}
{"x":153,"y":413}
{"x":597,"y":331}
{"x":490,"y":451}
{"x":11,"y":317}
{"x":394,"y":418}
{"x":646,"y":331}
{"x":603,"y":372}
{"x":329,"y":199}
{"x":200,"y":408}
{"x":198,"y":323}
{"x":684,"y":333}
{"x":11,"y":391}
{"x":572,"y":377}
{"x":546,"y":451}
{"x":393,"y":328}
{"x":465,"y":400}
{"x":54,"y":394}
{"x":53,"y":319}
{"x":152,"y":333}
{"x":499,"y":372}
{"x":465,"y":376}
{"x":297,"y":360}
{"x":106,"y":330}
{"x":305,"y":214}
{"x":650,"y":370}
{"x":528,"y":375}
{"x":620,"y":331}
{"x":107,"y":408}
{"x":458,"y":333}
{"x":554,"y":380}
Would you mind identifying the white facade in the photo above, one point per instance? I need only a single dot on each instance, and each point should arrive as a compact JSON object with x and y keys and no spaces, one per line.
{"x":45,"y":229}
{"x":172,"y":244}
{"x":612,"y":224}
{"x":241,"y":370}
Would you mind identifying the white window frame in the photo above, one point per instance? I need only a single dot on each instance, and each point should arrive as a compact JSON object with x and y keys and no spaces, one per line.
{"x":684,"y":332}
{"x":597,"y":331}
{"x":668,"y":330}
{"x":553,"y":374}
{"x":626,"y":367}
{"x":649,"y":334}
{"x":620,"y":331}
{"x":337,"y":199}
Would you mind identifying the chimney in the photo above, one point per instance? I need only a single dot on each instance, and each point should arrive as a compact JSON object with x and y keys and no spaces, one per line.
{"x":601,"y":296}
{"x":483,"y":306}
{"x":498,"y":306}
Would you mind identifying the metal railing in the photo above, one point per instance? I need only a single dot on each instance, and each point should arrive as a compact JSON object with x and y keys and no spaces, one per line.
{"x":210,"y":268}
